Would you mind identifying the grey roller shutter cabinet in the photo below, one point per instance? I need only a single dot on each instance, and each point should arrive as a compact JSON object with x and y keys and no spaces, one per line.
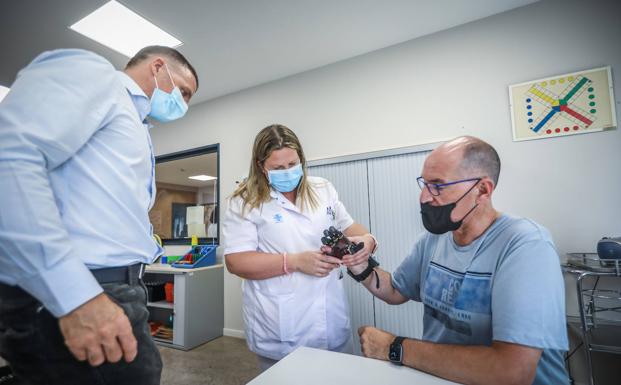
{"x":396,"y":222}
{"x":381,"y":194}
{"x":350,"y":181}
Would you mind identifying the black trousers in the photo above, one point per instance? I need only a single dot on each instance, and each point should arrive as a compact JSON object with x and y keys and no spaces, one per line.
{"x":31,"y":342}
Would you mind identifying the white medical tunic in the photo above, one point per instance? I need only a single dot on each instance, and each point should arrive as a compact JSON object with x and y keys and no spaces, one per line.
{"x":297,"y":309}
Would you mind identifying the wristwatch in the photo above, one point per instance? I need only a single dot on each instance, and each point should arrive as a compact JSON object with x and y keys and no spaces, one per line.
{"x":362,"y":276}
{"x":395,"y":354}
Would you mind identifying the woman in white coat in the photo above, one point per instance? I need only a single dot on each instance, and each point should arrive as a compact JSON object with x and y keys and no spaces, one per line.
{"x":293,"y":294}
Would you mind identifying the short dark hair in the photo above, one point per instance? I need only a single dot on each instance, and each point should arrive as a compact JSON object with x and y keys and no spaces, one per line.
{"x":172,"y":53}
{"x":481,"y":156}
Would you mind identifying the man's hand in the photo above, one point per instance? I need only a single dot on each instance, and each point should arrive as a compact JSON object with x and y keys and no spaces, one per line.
{"x":99,"y":331}
{"x":375,"y":343}
{"x":313,"y":263}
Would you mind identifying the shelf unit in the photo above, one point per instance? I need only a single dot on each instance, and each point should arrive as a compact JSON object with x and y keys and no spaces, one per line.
{"x":161,"y":304}
{"x":198,"y":307}
{"x":600,"y":308}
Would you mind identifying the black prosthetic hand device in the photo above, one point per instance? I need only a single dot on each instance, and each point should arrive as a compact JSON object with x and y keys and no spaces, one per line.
{"x":339,"y":243}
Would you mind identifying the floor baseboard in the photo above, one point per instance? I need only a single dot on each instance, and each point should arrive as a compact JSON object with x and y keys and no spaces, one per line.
{"x":234,"y":333}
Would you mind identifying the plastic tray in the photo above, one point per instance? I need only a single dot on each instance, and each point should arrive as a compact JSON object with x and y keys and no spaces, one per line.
{"x":207,"y":257}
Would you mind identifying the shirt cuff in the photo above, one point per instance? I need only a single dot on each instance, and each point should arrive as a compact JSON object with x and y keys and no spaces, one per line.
{"x":239,"y":248}
{"x":63,"y":287}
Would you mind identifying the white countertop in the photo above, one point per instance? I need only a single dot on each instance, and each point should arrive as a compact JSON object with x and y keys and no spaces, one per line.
{"x":308,"y":366}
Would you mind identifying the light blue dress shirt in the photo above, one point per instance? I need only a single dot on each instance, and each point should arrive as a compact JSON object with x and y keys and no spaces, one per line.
{"x":77,"y":177}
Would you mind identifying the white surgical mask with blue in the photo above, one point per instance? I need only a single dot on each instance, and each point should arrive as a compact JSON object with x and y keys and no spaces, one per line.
{"x":285,"y":180}
{"x":165,"y":106}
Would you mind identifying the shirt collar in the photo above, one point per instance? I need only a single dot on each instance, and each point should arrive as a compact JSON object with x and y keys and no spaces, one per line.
{"x":139,"y":98}
{"x":284,"y":202}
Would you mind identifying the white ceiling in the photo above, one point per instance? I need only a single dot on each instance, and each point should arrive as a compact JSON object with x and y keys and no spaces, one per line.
{"x":237,"y":44}
{"x":177,"y":171}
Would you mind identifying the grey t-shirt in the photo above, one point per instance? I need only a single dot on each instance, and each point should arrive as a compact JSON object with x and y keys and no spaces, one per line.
{"x":505,"y":286}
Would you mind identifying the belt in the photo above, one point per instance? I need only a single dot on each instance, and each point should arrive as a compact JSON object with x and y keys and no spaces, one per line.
{"x":11,"y":291}
{"x":121,"y":274}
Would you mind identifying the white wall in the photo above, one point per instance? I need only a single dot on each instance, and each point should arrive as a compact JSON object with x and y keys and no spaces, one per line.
{"x":434,"y":88}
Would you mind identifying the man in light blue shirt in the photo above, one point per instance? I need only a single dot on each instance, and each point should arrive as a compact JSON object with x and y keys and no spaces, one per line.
{"x":77,"y":172}
{"x":490,"y":283}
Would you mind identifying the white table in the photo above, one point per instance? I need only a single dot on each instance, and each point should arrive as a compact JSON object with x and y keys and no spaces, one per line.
{"x":308,"y":366}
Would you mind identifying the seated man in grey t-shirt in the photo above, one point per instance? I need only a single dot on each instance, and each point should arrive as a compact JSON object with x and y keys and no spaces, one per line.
{"x":491,"y":284}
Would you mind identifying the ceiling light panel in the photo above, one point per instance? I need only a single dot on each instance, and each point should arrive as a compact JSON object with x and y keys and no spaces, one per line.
{"x":3,"y":91}
{"x":123,"y":30}
{"x":202,"y":177}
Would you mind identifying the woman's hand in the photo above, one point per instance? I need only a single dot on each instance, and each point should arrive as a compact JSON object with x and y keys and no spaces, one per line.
{"x":312,"y":263}
{"x":362,"y":256}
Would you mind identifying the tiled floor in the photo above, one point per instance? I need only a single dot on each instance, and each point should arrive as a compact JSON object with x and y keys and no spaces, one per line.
{"x":223,"y":361}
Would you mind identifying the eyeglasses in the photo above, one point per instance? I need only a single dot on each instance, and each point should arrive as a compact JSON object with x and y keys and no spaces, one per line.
{"x":436,"y":188}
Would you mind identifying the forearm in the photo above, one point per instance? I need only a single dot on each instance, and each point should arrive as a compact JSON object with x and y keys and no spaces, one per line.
{"x":256,"y":265}
{"x":386,"y":292}
{"x":359,"y":233}
{"x":356,"y":229}
{"x":501,"y":363}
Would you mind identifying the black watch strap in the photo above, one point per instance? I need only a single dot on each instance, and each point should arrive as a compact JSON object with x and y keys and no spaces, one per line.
{"x":395,"y":353}
{"x":365,"y":274}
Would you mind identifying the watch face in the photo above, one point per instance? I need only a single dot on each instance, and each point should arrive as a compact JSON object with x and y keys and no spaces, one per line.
{"x":395,"y":353}
{"x":394,"y":356}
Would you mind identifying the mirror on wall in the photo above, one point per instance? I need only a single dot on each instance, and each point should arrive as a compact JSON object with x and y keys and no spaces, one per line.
{"x":187,"y":198}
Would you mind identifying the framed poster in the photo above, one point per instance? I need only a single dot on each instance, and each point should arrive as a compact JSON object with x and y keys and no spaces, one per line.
{"x":179,"y":226}
{"x":568,"y":104}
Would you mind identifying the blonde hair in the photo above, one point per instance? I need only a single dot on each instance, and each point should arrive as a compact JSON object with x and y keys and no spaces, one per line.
{"x":255,"y":190}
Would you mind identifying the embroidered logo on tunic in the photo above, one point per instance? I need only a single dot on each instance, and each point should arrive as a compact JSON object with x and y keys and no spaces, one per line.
{"x":331,"y":213}
{"x":277,"y":218}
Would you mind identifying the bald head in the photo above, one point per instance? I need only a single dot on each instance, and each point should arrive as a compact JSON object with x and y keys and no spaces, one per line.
{"x":475,"y":157}
{"x":158,"y":50}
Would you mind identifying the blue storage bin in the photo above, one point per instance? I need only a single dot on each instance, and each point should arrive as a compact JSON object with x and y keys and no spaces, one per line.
{"x":207,"y":257}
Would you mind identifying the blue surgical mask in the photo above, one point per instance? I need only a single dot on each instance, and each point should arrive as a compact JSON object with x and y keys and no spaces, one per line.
{"x":285,"y":180}
{"x":167,"y":106}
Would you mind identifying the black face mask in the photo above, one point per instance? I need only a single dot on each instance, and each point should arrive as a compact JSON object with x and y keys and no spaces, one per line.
{"x":437,"y":219}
